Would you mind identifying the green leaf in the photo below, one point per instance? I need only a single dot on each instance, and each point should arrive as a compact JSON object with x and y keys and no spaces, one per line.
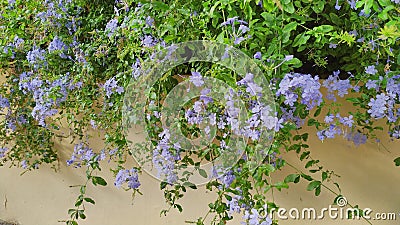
{"x":397,"y":161}
{"x":314,"y":184}
{"x":324,"y":175}
{"x":189,"y":184}
{"x":268,"y":5}
{"x":286,"y":31}
{"x":203,"y":173}
{"x":289,"y":8}
{"x":89,"y":200}
{"x":318,"y":111}
{"x":71,"y":211}
{"x":318,"y":190}
{"x":307,"y":177}
{"x":289,"y":27}
{"x":311,"y":122}
{"x":179,"y":207}
{"x":367,"y":6}
{"x":318,"y":6}
{"x":163,"y":185}
{"x":280,"y":185}
{"x":300,"y":39}
{"x":335,"y":19}
{"x":160,"y":5}
{"x":70,"y":222}
{"x":83,"y":189}
{"x":398,"y":59}
{"x":384,"y":14}
{"x":323,"y":28}
{"x":82,"y":216}
{"x":304,"y":155}
{"x":384,"y":2}
{"x":98,"y":180}
{"x":292,"y":178}
{"x":78,"y":203}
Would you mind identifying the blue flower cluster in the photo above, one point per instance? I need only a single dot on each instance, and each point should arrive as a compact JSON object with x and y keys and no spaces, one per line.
{"x":309,"y":88}
{"x":253,"y":217}
{"x":84,"y":155}
{"x":3,"y":152}
{"x":237,"y":35}
{"x":130,"y":176}
{"x":164,"y":157}
{"x":111,"y":86}
{"x":335,"y":85}
{"x":48,"y":95}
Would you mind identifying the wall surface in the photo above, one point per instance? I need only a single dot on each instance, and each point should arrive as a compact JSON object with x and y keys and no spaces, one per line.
{"x":368,"y":178}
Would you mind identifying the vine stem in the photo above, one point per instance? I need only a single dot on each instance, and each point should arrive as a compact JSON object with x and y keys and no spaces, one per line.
{"x":326,"y":187}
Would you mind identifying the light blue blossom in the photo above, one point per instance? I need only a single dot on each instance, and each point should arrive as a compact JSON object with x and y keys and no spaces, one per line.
{"x":371,"y":70}
{"x":196,"y":79}
{"x":111,"y":86}
{"x":378,"y":106}
{"x":36,"y":57}
{"x":258,"y":55}
{"x":3,"y":151}
{"x":111,"y":27}
{"x":4,"y":102}
{"x":130,"y":176}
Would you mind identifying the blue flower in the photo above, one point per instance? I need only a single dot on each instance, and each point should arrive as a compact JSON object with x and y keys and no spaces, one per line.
{"x":329,"y":118}
{"x":357,"y":137}
{"x":149,"y":21}
{"x":203,"y":96}
{"x":347,"y":121}
{"x":332,"y":45}
{"x":18,"y":42}
{"x":57,"y":44}
{"x":4,"y":102}
{"x":378,"y":106}
{"x":148,"y":41}
{"x":36,"y":57}
{"x":352,"y":3}
{"x":110,"y":86}
{"x":334,"y":83}
{"x":131,"y":176}
{"x":243,"y":29}
{"x":253,"y":217}
{"x":24,"y":164}
{"x":164,"y":159}
{"x":233,"y":204}
{"x":337,"y":6}
{"x":371,"y":84}
{"x":309,"y":87}
{"x":230,"y":21}
{"x":238,"y":40}
{"x":3,"y":152}
{"x":111,"y":27}
{"x":371,"y":70}
{"x":196,"y":79}
{"x":228,"y":178}
{"x":258,"y":55}
{"x":83,"y":154}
